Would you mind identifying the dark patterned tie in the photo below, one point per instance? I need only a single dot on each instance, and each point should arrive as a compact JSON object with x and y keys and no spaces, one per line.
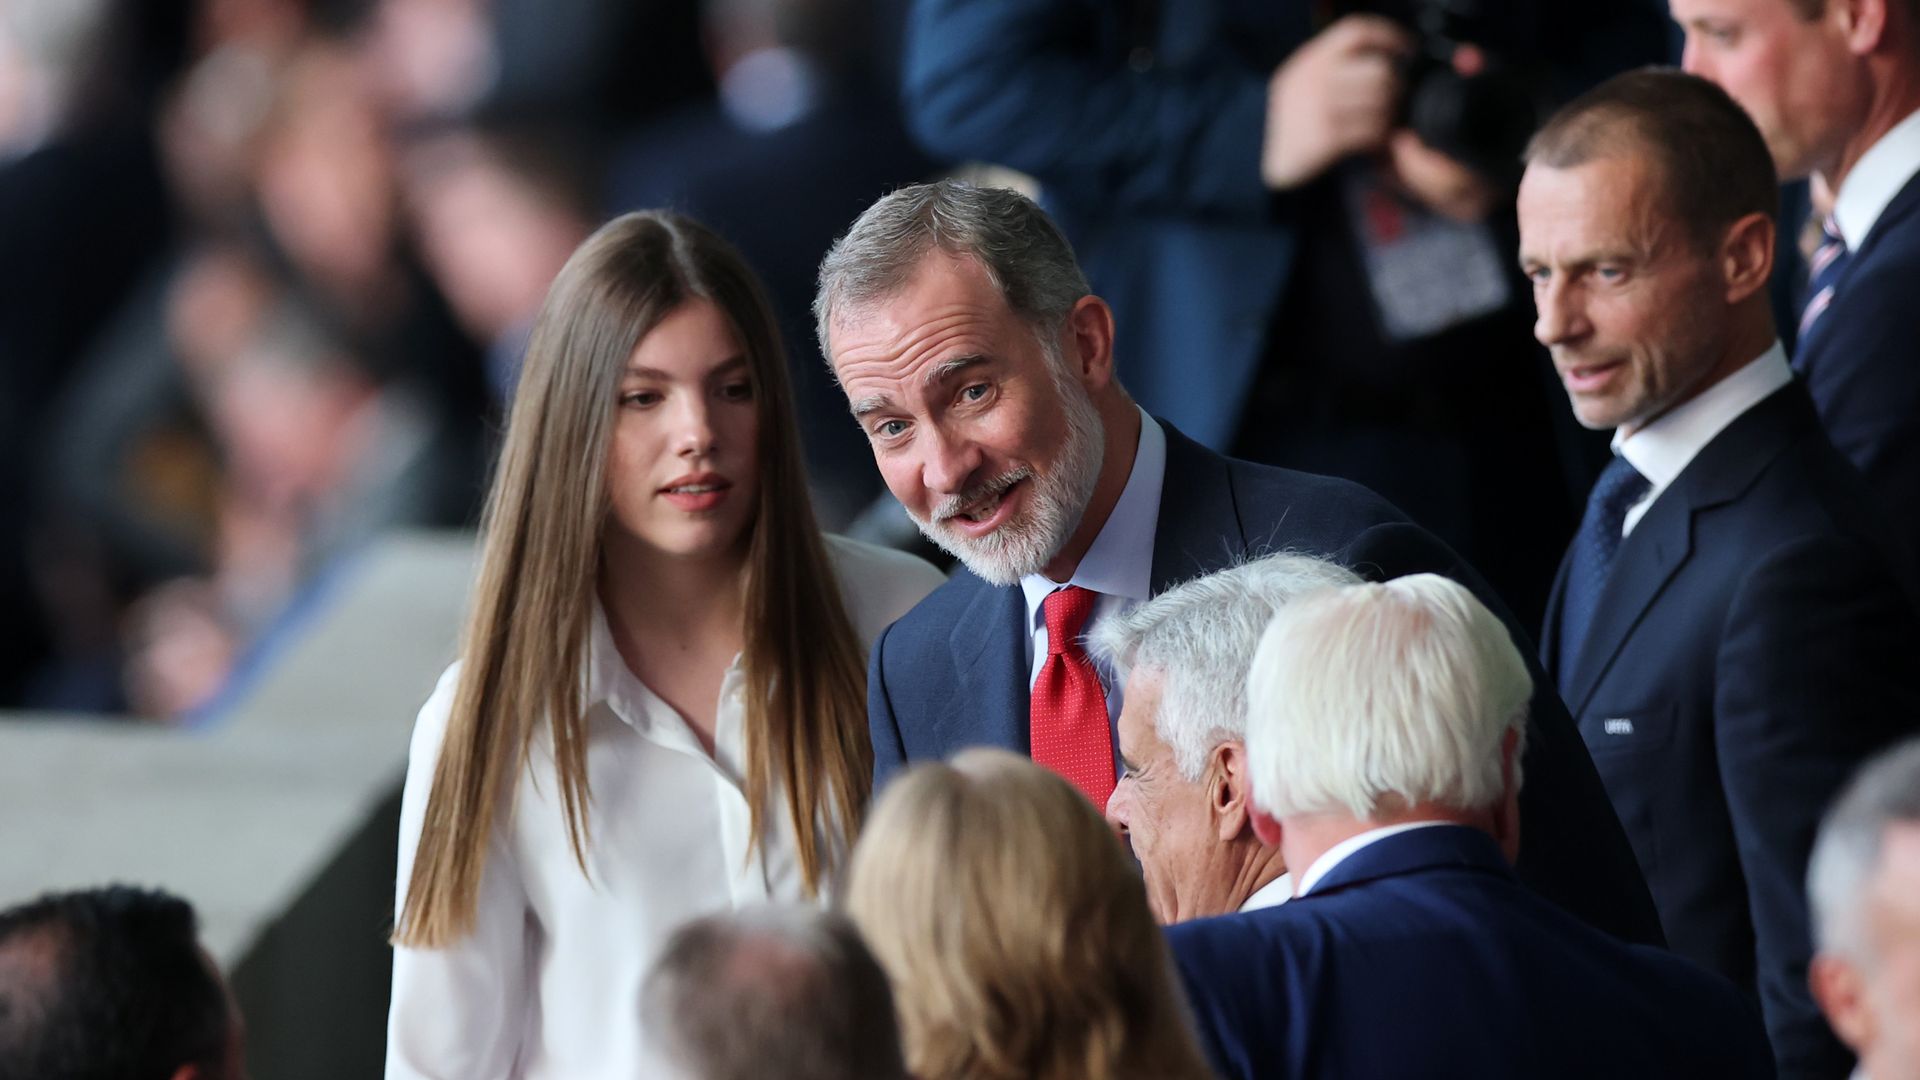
{"x":1829,"y":259}
{"x":1618,"y":488}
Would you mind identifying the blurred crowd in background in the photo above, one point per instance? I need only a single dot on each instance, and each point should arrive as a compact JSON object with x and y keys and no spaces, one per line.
{"x":267,"y":266}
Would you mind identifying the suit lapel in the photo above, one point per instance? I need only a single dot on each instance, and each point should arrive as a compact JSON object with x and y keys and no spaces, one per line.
{"x":1657,"y":548}
{"x":1903,"y":205}
{"x":990,"y":660}
{"x":1647,"y":560}
{"x":1199,"y":528}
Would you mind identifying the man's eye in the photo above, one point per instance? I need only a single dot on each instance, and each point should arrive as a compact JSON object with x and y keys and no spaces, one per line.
{"x":890,"y":428}
{"x":974,"y":392}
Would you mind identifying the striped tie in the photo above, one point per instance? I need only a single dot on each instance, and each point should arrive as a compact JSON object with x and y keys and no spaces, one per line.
{"x":1829,"y":259}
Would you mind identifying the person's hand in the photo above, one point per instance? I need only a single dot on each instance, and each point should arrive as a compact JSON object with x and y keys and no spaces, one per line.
{"x":1335,"y":96}
{"x":1437,"y":181}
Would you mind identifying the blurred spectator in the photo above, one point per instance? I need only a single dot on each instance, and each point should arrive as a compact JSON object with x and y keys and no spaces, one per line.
{"x":1300,"y":280}
{"x":801,"y":137}
{"x":496,"y":211}
{"x":1015,"y":930}
{"x":112,"y":984}
{"x":1864,"y":883}
{"x":1184,"y":802}
{"x":792,"y":991}
{"x":82,"y":210}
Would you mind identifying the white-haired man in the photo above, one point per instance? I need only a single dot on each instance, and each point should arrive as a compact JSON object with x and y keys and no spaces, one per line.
{"x":1864,"y":882}
{"x":1183,"y":799}
{"x":1384,"y":730}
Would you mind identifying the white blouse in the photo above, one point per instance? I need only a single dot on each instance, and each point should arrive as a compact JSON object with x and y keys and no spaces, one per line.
{"x":548,"y":983}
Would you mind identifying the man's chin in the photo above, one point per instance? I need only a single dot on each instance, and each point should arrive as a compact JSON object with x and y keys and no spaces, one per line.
{"x":991,"y":562}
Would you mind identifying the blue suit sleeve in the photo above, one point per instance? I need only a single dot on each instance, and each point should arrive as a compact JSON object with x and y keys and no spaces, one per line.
{"x":889,"y":752}
{"x":1023,"y":83}
{"x":1815,"y":663}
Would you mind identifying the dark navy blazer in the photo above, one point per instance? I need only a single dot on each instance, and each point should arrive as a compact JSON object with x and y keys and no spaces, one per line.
{"x":1861,"y":363}
{"x":1755,"y":643}
{"x":952,"y":672}
{"x":1420,"y":955}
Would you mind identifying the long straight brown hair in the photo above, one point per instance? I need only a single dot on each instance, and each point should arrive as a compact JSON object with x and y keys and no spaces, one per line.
{"x":524,"y":646}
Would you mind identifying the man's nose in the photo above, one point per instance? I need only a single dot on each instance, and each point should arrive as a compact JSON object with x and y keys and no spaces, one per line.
{"x":951,"y":461}
{"x":1559,"y":315}
{"x":1119,"y":806}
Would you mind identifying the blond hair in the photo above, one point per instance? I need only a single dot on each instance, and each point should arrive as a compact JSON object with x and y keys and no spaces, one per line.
{"x":1015,"y":930}
{"x":526,"y":633}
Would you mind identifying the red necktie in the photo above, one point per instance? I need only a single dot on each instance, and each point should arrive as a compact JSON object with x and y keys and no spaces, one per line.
{"x":1069,"y":727}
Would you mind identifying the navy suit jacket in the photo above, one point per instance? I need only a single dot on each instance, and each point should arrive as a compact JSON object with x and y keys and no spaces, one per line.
{"x":1755,"y":642}
{"x":1861,"y":363}
{"x":1421,"y":955}
{"x":952,"y":672}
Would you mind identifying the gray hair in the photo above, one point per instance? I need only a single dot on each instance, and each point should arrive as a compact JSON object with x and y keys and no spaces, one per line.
{"x":1022,"y":251}
{"x":734,"y":992}
{"x":1846,"y":853}
{"x":1199,"y":637}
{"x":1367,"y":696}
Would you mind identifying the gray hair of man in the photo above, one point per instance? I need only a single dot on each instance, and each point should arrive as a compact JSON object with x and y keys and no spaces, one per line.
{"x":1199,"y":637}
{"x":1019,"y":247}
{"x":789,"y":988}
{"x":1846,"y":853}
{"x":1365,"y":699}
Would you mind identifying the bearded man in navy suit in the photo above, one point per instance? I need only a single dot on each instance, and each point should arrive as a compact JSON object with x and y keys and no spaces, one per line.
{"x":980,"y":366}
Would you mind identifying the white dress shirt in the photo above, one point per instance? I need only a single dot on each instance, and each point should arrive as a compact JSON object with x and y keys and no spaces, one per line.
{"x":1662,"y":450}
{"x":1272,"y":894}
{"x":1118,"y":566}
{"x":1339,"y":852}
{"x":547,"y":985}
{"x":1875,"y":179}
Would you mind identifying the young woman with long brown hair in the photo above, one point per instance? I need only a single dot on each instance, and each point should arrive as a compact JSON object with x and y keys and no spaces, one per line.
{"x":1015,"y":930}
{"x":659,"y":709}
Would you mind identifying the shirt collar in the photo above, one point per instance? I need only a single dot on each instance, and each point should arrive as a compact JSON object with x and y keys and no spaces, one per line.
{"x":1339,"y":852}
{"x":1875,"y":179}
{"x":1120,"y":561}
{"x":1272,"y":894}
{"x":1663,"y":449}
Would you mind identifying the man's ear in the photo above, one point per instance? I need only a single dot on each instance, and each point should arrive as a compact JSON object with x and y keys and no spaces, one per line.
{"x":1227,"y":791}
{"x":1265,"y":826}
{"x":1089,"y":341}
{"x":1841,"y":993}
{"x":1746,"y":256}
{"x":1863,"y":22}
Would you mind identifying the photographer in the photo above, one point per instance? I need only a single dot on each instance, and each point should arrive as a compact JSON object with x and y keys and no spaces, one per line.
{"x":1303,"y":279}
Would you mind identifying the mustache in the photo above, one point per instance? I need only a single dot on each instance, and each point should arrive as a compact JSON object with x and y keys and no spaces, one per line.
{"x":987,"y":490}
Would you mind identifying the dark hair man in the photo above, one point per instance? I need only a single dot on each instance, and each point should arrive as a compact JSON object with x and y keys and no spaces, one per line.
{"x":767,"y":991}
{"x":1729,"y":627}
{"x":112,"y":984}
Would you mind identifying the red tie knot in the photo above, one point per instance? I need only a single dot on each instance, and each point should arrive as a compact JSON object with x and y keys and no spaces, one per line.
{"x":1066,"y":611}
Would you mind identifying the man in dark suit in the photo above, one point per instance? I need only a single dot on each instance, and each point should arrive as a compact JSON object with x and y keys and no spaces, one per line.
{"x":1835,"y":89}
{"x":1731,"y":627}
{"x":981,"y":368}
{"x":1383,"y":736}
